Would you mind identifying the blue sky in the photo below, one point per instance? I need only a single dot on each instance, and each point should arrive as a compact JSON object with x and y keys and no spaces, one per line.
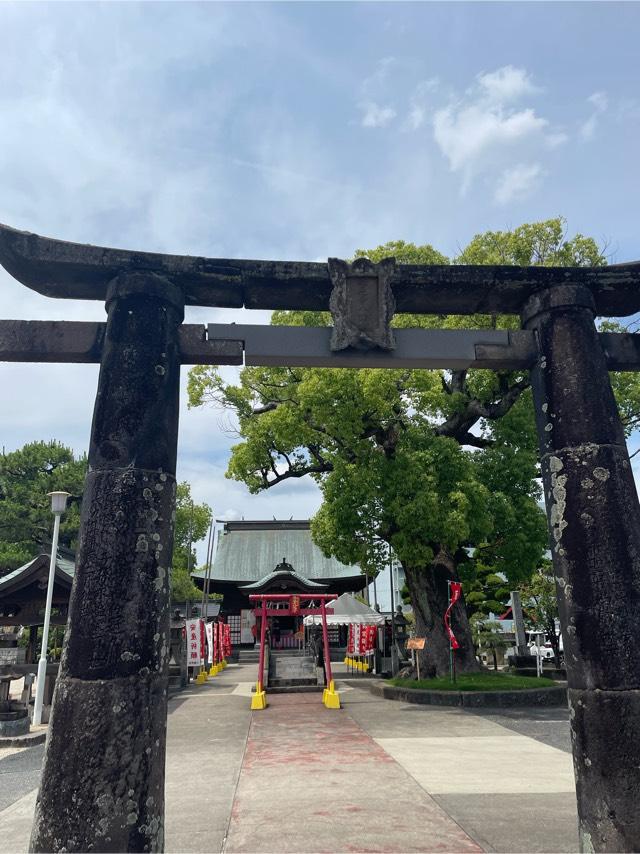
{"x":300,"y":131}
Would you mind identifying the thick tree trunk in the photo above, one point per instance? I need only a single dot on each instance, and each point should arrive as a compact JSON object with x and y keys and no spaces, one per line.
{"x":429,"y":598}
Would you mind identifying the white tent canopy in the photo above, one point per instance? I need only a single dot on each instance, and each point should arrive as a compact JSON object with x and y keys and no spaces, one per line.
{"x":346,"y":610}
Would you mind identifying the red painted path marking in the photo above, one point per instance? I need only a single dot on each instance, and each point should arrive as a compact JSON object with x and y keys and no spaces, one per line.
{"x":312,"y":780}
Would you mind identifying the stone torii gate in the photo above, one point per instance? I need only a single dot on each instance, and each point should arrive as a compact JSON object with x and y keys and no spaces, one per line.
{"x":103,"y":779}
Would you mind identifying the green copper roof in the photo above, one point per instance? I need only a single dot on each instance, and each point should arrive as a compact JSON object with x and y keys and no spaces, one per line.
{"x":63,"y":567}
{"x":280,"y":575}
{"x":248,"y":551}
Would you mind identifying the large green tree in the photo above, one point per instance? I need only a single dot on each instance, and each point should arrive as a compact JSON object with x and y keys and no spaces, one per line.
{"x":439,"y":466}
{"x":193,"y":522}
{"x":26,"y":523}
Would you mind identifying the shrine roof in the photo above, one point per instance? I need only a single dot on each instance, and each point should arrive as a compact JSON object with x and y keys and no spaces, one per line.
{"x":248,"y":551}
{"x":26,"y":574}
{"x":283,"y":578}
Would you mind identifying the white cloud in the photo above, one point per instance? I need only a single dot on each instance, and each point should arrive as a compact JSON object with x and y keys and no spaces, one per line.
{"x":554,"y":139}
{"x":417,"y":116}
{"x":464,"y":135}
{"x":378,"y":81}
{"x":600,"y":103}
{"x":517,"y":182}
{"x":375,"y":94}
{"x":506,"y":84}
{"x":599,"y":100}
{"x":375,"y":116}
{"x":418,"y":103}
{"x":483,"y":131}
{"x":588,"y":128}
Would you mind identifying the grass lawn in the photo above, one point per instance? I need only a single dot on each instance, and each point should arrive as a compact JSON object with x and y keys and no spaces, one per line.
{"x":477,"y":682}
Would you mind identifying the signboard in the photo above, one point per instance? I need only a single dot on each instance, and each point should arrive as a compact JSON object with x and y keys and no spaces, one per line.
{"x":416,"y":643}
{"x":294,"y":606}
{"x":195,"y":643}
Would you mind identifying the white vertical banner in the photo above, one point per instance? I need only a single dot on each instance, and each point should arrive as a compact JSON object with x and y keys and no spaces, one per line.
{"x":194,"y":643}
{"x":209,"y":630}
{"x":357,"y":632}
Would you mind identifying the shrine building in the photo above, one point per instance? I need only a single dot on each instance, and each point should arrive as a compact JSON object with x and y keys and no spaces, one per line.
{"x":273,"y":557}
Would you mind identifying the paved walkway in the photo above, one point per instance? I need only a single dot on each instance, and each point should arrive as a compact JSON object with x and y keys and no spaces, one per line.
{"x":376,"y":776}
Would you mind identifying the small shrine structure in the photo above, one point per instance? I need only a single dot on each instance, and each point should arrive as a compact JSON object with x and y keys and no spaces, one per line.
{"x":273,"y":557}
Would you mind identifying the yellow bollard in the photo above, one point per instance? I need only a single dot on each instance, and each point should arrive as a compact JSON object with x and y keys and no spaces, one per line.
{"x":330,"y":696}
{"x":201,"y":678}
{"x":259,"y":698}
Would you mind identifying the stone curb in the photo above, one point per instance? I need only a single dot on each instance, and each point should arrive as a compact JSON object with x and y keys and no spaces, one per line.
{"x":555,"y":696}
{"x":29,"y":739}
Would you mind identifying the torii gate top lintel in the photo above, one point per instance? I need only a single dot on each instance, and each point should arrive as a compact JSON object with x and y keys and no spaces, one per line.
{"x":62,"y":269}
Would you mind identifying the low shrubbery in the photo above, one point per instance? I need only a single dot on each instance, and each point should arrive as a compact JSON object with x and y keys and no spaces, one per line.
{"x":476,"y":682}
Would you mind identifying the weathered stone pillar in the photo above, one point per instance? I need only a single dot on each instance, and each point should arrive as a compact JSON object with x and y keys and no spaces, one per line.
{"x":518,"y":623}
{"x":594,"y":521}
{"x":102,"y":787}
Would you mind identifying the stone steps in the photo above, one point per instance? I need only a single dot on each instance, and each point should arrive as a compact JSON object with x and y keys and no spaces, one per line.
{"x":292,"y":672}
{"x":295,"y":689}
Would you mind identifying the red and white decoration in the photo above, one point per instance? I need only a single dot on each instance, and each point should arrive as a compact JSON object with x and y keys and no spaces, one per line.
{"x":226,"y":640}
{"x":362,"y":639}
{"x":455,"y":592}
{"x":195,"y":642}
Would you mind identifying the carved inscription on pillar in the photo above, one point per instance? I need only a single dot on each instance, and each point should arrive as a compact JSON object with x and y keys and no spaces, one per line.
{"x":362,"y":304}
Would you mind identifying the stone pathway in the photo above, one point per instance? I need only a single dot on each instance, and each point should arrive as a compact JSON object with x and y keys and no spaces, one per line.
{"x":313,"y":780}
{"x":376,"y":776}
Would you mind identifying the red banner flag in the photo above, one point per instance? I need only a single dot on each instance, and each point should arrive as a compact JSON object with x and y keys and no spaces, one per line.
{"x":226,"y":642}
{"x":455,"y":591}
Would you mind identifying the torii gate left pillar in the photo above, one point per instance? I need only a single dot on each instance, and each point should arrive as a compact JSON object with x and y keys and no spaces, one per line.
{"x":110,"y":707}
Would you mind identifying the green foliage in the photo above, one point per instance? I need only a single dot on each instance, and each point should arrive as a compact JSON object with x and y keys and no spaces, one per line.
{"x":404,"y":253}
{"x":487,"y":636}
{"x":26,"y":522}
{"x":485,"y":591}
{"x":476,"y":682}
{"x":540,"y":604}
{"x":534,"y":244}
{"x":182,"y":587}
{"x":539,"y":599}
{"x":192,"y":525}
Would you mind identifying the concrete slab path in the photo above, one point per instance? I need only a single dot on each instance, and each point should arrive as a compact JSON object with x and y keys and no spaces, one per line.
{"x":375,"y":776}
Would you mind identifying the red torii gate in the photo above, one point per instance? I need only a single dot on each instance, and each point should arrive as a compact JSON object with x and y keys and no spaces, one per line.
{"x":294,"y":607}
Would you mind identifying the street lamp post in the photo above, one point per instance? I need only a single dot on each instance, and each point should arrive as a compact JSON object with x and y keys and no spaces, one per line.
{"x":58,"y":506}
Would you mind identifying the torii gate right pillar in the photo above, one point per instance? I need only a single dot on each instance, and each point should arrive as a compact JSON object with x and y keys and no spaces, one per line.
{"x":594,"y":523}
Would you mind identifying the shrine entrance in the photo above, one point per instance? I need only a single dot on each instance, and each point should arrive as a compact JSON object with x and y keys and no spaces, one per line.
{"x":281,"y":605}
{"x":120,"y":590}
